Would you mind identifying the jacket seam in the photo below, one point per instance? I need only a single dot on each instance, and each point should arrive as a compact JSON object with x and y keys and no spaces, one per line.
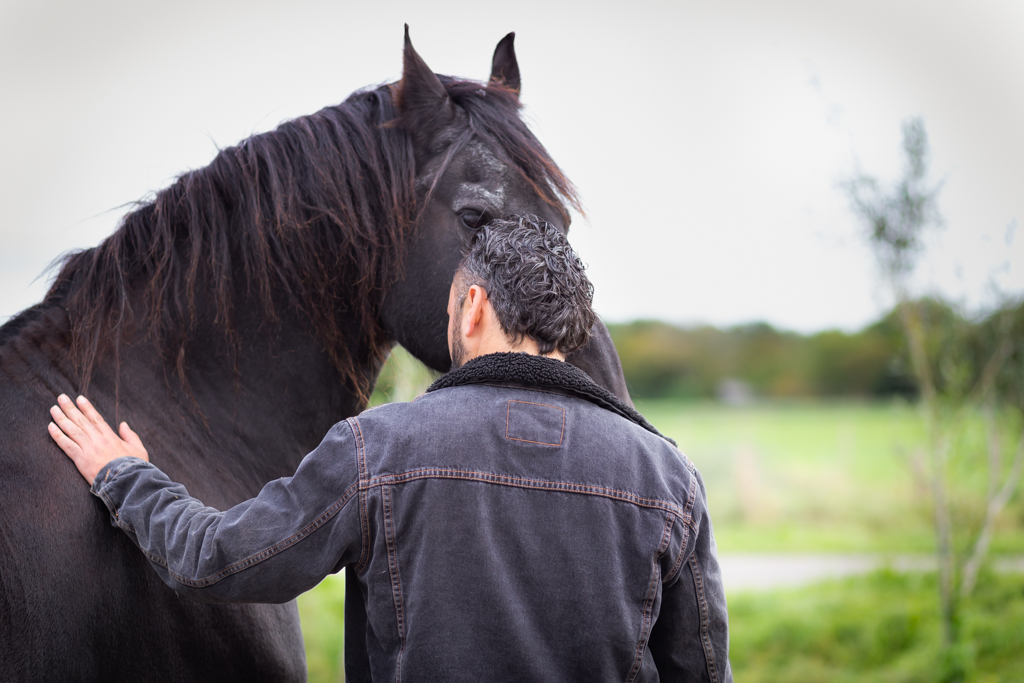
{"x":702,"y":604}
{"x":648,"y":622}
{"x":682,"y":553}
{"x":508,"y":414}
{"x":119,"y":470}
{"x":690,"y":526}
{"x":692,"y":498}
{"x":364,"y":522}
{"x":522,"y":482}
{"x":114,"y":513}
{"x":262,"y":555}
{"x":391,"y":541}
{"x":102,"y":493}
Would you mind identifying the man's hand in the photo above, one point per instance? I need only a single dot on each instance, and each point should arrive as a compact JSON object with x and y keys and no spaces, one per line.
{"x":88,"y":440}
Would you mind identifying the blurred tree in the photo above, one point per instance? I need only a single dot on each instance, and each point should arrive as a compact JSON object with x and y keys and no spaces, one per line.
{"x":843,"y":364}
{"x":960,"y":369}
{"x":660,"y":360}
{"x":664,"y":361}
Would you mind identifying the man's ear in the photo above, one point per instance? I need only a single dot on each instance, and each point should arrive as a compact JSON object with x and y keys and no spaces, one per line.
{"x":423,"y":104}
{"x":504,"y":66}
{"x":476,"y":308}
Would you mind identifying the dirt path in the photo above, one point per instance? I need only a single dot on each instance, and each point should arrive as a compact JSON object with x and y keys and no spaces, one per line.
{"x":763,"y":571}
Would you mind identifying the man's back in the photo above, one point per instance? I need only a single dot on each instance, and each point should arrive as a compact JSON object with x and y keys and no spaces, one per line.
{"x":516,"y":523}
{"x":526,"y":532}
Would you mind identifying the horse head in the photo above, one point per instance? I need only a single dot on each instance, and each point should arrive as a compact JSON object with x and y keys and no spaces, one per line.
{"x":475,"y":160}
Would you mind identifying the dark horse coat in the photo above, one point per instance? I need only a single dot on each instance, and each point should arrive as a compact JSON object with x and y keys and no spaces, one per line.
{"x":232,"y":321}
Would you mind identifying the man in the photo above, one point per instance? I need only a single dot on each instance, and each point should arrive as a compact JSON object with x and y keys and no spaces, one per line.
{"x":516,"y":522}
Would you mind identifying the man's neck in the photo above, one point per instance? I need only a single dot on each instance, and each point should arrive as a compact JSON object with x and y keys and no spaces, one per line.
{"x":501,"y":344}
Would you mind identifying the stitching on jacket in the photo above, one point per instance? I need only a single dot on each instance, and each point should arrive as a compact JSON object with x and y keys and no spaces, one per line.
{"x":508,"y":414}
{"x":357,"y":432}
{"x":692,"y":498}
{"x":109,"y":503}
{"x":113,"y":511}
{"x":265,"y":554}
{"x":691,"y":525}
{"x":675,"y":565}
{"x":118,"y":471}
{"x":396,"y":579}
{"x":489,"y":478}
{"x":111,"y":470}
{"x":702,"y":603}
{"x":682,"y":553}
{"x":648,"y":622}
{"x":364,"y":522}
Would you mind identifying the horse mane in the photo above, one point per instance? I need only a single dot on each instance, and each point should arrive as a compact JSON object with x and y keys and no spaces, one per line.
{"x":312,"y":215}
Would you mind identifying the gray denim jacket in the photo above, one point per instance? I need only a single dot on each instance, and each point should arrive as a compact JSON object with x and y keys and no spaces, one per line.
{"x":516,"y":522}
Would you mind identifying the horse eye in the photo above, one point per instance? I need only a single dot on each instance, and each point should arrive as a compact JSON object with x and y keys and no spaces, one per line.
{"x":472,"y":219}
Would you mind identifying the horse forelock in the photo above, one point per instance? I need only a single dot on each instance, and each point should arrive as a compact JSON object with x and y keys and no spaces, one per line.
{"x":311,"y":215}
{"x":493,"y":112}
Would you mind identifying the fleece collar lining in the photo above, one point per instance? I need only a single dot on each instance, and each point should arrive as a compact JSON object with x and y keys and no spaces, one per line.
{"x":537,"y":371}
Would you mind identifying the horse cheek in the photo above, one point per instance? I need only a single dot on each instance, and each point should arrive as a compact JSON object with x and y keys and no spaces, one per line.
{"x":415,"y":309}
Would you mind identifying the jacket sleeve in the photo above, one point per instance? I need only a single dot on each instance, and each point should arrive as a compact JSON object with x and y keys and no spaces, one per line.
{"x":268,"y":549}
{"x":690,"y":638}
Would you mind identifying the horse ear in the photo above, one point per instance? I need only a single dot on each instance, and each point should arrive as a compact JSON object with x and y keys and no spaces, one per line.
{"x":421,"y":99}
{"x":504,"y":67}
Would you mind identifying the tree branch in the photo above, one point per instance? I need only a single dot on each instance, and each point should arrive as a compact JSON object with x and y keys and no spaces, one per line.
{"x":988,"y":376}
{"x":995,"y":506}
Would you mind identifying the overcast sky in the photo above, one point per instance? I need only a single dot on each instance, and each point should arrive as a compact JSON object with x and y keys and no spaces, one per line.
{"x":707,"y":139}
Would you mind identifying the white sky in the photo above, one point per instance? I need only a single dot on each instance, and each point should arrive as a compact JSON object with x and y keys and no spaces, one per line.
{"x":707,"y":139}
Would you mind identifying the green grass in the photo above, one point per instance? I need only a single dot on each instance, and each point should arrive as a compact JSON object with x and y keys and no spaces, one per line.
{"x":323,"y":629}
{"x":814,"y":476}
{"x":879,"y":627}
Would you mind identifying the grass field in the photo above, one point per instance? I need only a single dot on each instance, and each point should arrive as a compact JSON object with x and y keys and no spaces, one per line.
{"x":878,"y":627}
{"x":809,"y":477}
{"x":814,"y":476}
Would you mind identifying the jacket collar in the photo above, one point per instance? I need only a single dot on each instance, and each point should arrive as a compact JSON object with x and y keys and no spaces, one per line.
{"x":537,"y":371}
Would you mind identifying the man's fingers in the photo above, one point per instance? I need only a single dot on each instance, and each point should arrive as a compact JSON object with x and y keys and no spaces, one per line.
{"x":82,"y":433}
{"x":90,"y":412}
{"x":66,"y":425}
{"x":129,"y":435}
{"x":73,"y":414}
{"x":94,"y":416}
{"x":67,"y":445}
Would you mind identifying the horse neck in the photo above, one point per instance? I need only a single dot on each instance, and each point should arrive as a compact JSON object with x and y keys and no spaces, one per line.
{"x":261,"y":397}
{"x":257,"y":278}
{"x":231,"y":413}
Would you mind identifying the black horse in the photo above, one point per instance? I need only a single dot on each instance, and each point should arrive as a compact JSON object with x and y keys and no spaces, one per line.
{"x":232,"y":321}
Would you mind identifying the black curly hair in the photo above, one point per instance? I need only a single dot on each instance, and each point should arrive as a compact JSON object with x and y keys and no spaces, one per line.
{"x":535,"y":282}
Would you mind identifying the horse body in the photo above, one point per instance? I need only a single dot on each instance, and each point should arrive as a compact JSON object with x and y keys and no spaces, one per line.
{"x":231,"y":323}
{"x":78,"y":600}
